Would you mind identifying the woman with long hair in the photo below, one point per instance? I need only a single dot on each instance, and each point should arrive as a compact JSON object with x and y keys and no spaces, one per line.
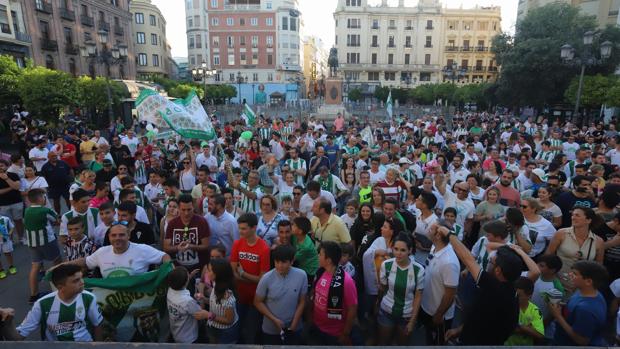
{"x":518,"y":232}
{"x":576,"y":243}
{"x":489,"y":209}
{"x":187,"y":175}
{"x":378,"y":198}
{"x":475,"y":192}
{"x":541,"y":230}
{"x":172,"y":212}
{"x":253,"y":151}
{"x":223,"y":320}
{"x":31,"y":181}
{"x":493,"y":172}
{"x":548,"y":209}
{"x":348,"y":167}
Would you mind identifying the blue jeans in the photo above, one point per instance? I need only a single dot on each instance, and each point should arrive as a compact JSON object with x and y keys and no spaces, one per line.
{"x":225,"y":336}
{"x":250,"y":322}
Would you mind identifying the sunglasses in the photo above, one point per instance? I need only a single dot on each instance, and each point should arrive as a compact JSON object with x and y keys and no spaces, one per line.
{"x":123,"y":223}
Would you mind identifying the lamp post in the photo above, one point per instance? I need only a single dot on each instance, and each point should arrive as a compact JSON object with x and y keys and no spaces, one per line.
{"x":586,"y":59}
{"x":240,"y":80}
{"x":453,"y":73}
{"x":202,"y":73}
{"x":107,"y":56}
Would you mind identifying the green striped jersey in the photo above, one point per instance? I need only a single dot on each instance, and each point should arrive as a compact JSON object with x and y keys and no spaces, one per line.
{"x":90,"y":221}
{"x":248,"y":205}
{"x":264,"y":133}
{"x":350,"y":150}
{"x":401,"y":285}
{"x":480,"y":252}
{"x":37,"y":225}
{"x":60,"y":321}
{"x":296,"y":165}
{"x":546,"y":156}
{"x":288,"y":130}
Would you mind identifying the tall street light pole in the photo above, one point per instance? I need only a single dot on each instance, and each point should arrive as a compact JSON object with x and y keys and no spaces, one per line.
{"x":202,"y":73}
{"x":107,"y":56}
{"x":240,"y":80}
{"x":586,"y":59}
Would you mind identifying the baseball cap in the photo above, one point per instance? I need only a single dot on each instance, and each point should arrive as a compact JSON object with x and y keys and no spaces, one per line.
{"x":204,"y":144}
{"x":404,"y":161}
{"x":539,"y":172}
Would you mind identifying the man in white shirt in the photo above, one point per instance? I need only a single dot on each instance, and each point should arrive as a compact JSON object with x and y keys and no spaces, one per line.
{"x":276,"y":146}
{"x":38,"y":154}
{"x":376,"y":175}
{"x":307,"y":200}
{"x":207,"y":159}
{"x":456,"y":169}
{"x":460,"y":201}
{"x":98,"y":139}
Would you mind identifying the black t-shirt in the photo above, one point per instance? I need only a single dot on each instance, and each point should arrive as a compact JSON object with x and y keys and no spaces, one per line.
{"x":58,"y":176}
{"x":567,"y":201}
{"x":494,"y":313}
{"x":121,"y":155}
{"x":104,"y":176}
{"x":13,"y":196}
{"x":141,"y":234}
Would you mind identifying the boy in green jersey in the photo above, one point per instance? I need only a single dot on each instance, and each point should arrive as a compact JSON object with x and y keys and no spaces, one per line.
{"x":531,"y":329}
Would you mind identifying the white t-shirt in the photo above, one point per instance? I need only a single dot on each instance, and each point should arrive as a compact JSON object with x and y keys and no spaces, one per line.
{"x":136,"y":260}
{"x":442,"y":271}
{"x":132,"y":144}
{"x":464,"y":208}
{"x":306,"y":202}
{"x":38,"y":153}
{"x":34,"y":183}
{"x":376,"y":177}
{"x":545,"y":231}
{"x":181,"y":309}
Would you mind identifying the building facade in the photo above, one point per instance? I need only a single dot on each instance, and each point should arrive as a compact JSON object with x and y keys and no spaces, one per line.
{"x":403,"y":46}
{"x":59,"y":30}
{"x":314,"y":64}
{"x":251,"y":44}
{"x":149,"y":39}
{"x":14,"y":38}
{"x":605,"y":11}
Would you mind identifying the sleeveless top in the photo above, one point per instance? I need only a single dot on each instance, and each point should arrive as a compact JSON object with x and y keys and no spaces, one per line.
{"x":570,"y":252}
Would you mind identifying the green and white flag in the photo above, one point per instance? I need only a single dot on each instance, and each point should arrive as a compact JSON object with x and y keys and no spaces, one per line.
{"x":187,"y":117}
{"x":248,"y":115}
{"x":133,"y":307}
{"x":388,"y":105}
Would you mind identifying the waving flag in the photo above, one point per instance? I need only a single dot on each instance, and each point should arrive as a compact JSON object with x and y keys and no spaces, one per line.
{"x":388,"y":105}
{"x":248,"y":115}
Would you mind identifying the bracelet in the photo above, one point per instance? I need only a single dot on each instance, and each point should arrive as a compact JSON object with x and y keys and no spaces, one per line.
{"x":212,"y":316}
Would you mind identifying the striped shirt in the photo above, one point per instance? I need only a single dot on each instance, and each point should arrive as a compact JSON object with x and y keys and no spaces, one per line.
{"x":351,"y":150}
{"x":220,"y":308}
{"x":61,"y":321}
{"x":247,"y":204}
{"x":79,"y":249}
{"x":546,"y":156}
{"x":140,"y":174}
{"x":264,"y":133}
{"x":401,"y":284}
{"x":296,"y":165}
{"x":90,"y":220}
{"x":38,"y":225}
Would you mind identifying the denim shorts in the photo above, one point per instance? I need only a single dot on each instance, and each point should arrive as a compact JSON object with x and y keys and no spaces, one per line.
{"x":223,"y":336}
{"x":386,"y":319}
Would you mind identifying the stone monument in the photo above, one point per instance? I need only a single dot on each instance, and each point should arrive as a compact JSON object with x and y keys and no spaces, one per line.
{"x":333,"y":90}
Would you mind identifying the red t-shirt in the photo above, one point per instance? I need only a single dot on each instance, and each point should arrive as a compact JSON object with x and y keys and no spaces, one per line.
{"x":70,"y":160}
{"x":253,"y":260}
{"x":197,"y":230}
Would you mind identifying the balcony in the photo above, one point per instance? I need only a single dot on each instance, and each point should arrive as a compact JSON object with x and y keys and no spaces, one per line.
{"x":118,"y":30}
{"x":103,"y":25}
{"x":392,"y":27}
{"x":72,"y":49}
{"x":43,"y":6}
{"x":452,"y":48}
{"x":49,"y":45}
{"x":408,"y":46}
{"x":430,"y":28}
{"x":492,"y":69}
{"x":408,"y":27}
{"x":478,"y":69}
{"x":374,"y":45}
{"x":482,"y":49}
{"x":374,"y":27}
{"x":467,"y":49}
{"x":23,"y":37}
{"x":354,"y":26}
{"x":87,"y":21}
{"x":428,"y":46}
{"x":67,"y":14}
{"x":391,"y":46}
{"x":5,"y":28}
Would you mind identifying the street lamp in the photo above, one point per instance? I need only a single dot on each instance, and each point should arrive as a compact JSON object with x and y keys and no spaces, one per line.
{"x":240,"y":80}
{"x":115,"y":55}
{"x":202,"y":73}
{"x":453,"y":73}
{"x":586,"y":59}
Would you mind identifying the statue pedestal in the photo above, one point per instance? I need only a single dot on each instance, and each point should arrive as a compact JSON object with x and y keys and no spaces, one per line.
{"x":333,"y":91}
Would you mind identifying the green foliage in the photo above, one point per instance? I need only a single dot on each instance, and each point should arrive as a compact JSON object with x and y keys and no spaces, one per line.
{"x":613,"y":96}
{"x":423,"y":94}
{"x":355,"y":95}
{"x":180,"y":91}
{"x":398,"y":94}
{"x":93,"y":93}
{"x":47,"y":92}
{"x":595,"y":90}
{"x":9,"y":78}
{"x":166,"y":83}
{"x":532,"y":72}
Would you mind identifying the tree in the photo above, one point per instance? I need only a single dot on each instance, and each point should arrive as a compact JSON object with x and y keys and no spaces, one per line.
{"x":595,"y":90}
{"x":355,"y":95}
{"x":613,"y":96}
{"x":93,"y":94}
{"x":444,"y":91}
{"x":532,"y":72}
{"x":423,"y":94}
{"x":9,"y":81}
{"x":47,"y":92}
{"x":181,"y":91}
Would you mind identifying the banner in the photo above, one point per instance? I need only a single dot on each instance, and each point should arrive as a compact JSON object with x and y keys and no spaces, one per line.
{"x":133,"y":307}
{"x":248,"y":115}
{"x":388,"y":105}
{"x":187,"y":117}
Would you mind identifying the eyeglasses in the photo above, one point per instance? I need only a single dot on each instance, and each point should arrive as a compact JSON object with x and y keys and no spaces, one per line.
{"x":123,"y":223}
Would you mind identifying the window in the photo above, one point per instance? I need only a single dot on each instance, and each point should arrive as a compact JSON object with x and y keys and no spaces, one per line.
{"x":407,"y":41}
{"x":154,"y":40}
{"x":141,"y":38}
{"x":390,"y":58}
{"x":373,"y":76}
{"x":479,"y":64}
{"x":269,"y":59}
{"x":390,"y":76}
{"x":153,"y":20}
{"x":353,"y":58}
{"x":427,"y":59}
{"x":481,"y":45}
{"x":255,"y":57}
{"x":429,"y":41}
{"x":231,"y":76}
{"x":293,"y":24}
{"x":354,"y":3}
{"x":466,"y":45}
{"x":409,"y":25}
{"x":242,"y":58}
{"x":425,"y":76}
{"x":467,"y":25}
{"x":156,"y":60}
{"x":285,"y":23}
{"x":429,"y":24}
{"x":142,"y":60}
{"x":192,"y":60}
{"x":72,"y":67}
{"x":353,"y":40}
{"x":215,"y":21}
{"x":231,"y":59}
{"x":269,"y":41}
{"x":139,"y":18}
{"x":373,"y":58}
{"x":216,"y":41}
{"x":254,"y":41}
{"x":269,"y":6}
{"x":375,"y":24}
{"x":269,"y":76}
{"x":68,"y":35}
{"x":407,"y":58}
{"x":269,"y":21}
{"x":241,"y":21}
{"x":216,"y":59}
{"x":254,"y":21}
{"x":375,"y":41}
{"x":242,"y":40}
{"x":483,"y":25}
{"x":452,"y":25}
{"x":214,"y":3}
{"x":191,"y":43}
{"x":190,"y":22}
{"x":392,"y":24}
{"x":198,"y":41}
{"x":84,"y":10}
{"x":45,"y":29}
{"x":230,"y":41}
{"x":49,"y":62}
{"x":230,"y":21}
{"x":391,"y":41}
{"x":255,"y":77}
{"x":354,"y":23}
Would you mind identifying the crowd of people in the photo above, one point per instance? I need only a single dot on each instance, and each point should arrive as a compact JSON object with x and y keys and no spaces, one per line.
{"x":494,"y":230}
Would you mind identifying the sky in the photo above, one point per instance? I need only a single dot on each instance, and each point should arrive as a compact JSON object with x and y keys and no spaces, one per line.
{"x":316,"y":18}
